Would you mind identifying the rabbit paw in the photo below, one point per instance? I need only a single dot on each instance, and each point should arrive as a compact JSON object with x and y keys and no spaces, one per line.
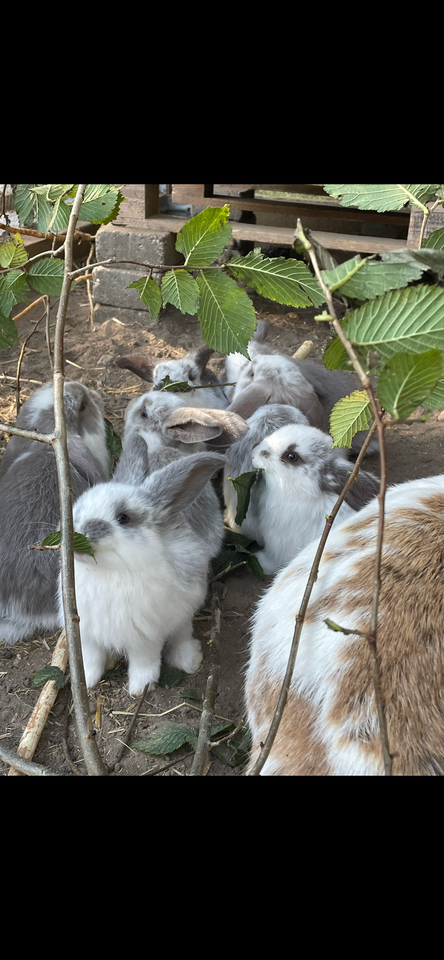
{"x":184,"y":654}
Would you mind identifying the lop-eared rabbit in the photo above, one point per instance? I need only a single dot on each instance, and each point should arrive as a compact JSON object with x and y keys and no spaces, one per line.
{"x":330,"y":723}
{"x":152,"y":552}
{"x":29,"y":503}
{"x":164,"y":421}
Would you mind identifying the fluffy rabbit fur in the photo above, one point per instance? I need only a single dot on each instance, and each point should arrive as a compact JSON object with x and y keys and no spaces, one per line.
{"x":301,"y":479}
{"x":29,"y":504}
{"x":164,"y":421}
{"x":151,"y":566}
{"x":192,"y":368}
{"x":330,"y":723}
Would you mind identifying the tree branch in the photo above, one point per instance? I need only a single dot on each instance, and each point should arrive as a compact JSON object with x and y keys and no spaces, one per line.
{"x":203,"y":740}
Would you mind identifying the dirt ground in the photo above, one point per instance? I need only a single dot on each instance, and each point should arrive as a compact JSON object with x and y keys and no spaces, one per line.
{"x":90,"y":353}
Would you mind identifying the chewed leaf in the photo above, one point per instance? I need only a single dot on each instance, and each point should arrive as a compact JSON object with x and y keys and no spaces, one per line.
{"x":168,"y":737}
{"x":203,"y":238}
{"x":175,"y":386}
{"x":242,"y":486}
{"x":348,"y":416}
{"x":149,"y":294}
{"x":49,"y":673}
{"x":81,"y":544}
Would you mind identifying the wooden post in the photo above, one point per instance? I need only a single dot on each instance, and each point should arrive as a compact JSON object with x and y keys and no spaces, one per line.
{"x":151,"y":199}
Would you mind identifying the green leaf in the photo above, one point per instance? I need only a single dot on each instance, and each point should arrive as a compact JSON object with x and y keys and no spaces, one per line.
{"x":368,"y":278}
{"x":407,"y":379}
{"x":113,"y":441}
{"x":236,"y":750}
{"x":349,"y":415}
{"x":381,"y":196}
{"x":336,"y":357}
{"x":424,"y":259}
{"x":285,"y":281}
{"x":203,"y":238}
{"x":24,"y":202}
{"x":101,"y":203}
{"x":339,"y":275}
{"x":81,"y":544}
{"x":149,"y":294}
{"x":333,"y":626}
{"x":168,"y":737}
{"x":235,"y":550}
{"x":170,"y":677}
{"x":410,"y":320}
{"x":175,"y":386}
{"x":436,"y":399}
{"x":13,"y":253}
{"x":226,"y":313}
{"x":49,"y":673}
{"x":180,"y":289}
{"x":188,"y":693}
{"x":8,"y":332}
{"x":435,"y":240}
{"x":46,"y":276}
{"x":242,"y":486}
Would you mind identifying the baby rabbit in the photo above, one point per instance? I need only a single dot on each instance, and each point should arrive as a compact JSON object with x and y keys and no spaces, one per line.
{"x":163,"y":420}
{"x":275,"y":378}
{"x":192,"y":368}
{"x":29,"y":504}
{"x":149,"y":576}
{"x":301,"y":479}
{"x":330,"y":723}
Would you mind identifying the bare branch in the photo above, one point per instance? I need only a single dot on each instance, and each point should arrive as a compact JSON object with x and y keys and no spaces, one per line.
{"x":27,"y":767}
{"x":203,"y":740}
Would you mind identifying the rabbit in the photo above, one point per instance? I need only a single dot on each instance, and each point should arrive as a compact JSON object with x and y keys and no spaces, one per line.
{"x":163,"y":420}
{"x":301,"y":478}
{"x":263,"y":421}
{"x":29,"y":504}
{"x":192,"y":368}
{"x":330,"y":723}
{"x":149,"y":575}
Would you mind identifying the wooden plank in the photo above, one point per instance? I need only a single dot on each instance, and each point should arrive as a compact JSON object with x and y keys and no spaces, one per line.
{"x":191,"y":193}
{"x":435,"y":221}
{"x":151,"y":199}
{"x":283,"y":236}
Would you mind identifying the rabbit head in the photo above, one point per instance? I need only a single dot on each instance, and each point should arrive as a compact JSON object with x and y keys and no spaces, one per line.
{"x":150,"y":570}
{"x":330,"y":725}
{"x":274,"y":378}
{"x":300,"y":481}
{"x":163,"y":420}
{"x":191,"y":368}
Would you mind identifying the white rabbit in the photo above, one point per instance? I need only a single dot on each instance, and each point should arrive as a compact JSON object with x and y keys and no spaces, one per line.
{"x":29,"y":504}
{"x":163,"y":420}
{"x":330,"y":723}
{"x":150,"y":571}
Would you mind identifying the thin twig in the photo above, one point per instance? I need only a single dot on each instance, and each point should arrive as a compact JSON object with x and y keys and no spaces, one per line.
{"x":27,"y":232}
{"x":130,"y":730}
{"x":20,"y":359}
{"x":203,"y":740}
{"x":27,"y":767}
{"x":29,"y":307}
{"x":89,"y":290}
{"x":48,"y":334}
{"x":381,"y":495}
{"x":300,"y":617}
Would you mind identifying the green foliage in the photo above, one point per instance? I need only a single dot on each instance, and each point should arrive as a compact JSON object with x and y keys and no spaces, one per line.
{"x":381,"y":196}
{"x":170,"y":677}
{"x":234,"y":751}
{"x":203,"y":238}
{"x":282,"y":280}
{"x":374,"y":277}
{"x":81,"y":544}
{"x":435,"y":241}
{"x":410,"y":320}
{"x":175,"y":386}
{"x":336,"y":357}
{"x":167,"y":738}
{"x":349,"y":415}
{"x":180,"y":289}
{"x":12,"y":252}
{"x":406,"y":379}
{"x":113,"y":440}
{"x":235,"y":550}
{"x":226,"y":313}
{"x":46,"y":276}
{"x":49,"y":205}
{"x":242,"y":486}
{"x":149,"y":294}
{"x":8,"y":331}
{"x":49,"y":673}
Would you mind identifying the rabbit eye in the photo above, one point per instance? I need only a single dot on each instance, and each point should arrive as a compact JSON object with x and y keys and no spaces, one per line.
{"x":143,"y":413}
{"x":123,"y":518}
{"x":290,"y":456}
{"x":82,"y":406}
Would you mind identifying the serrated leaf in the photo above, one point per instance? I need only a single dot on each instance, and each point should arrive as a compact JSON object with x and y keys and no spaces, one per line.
{"x":81,"y":544}
{"x":226,"y":313}
{"x":180,"y":289}
{"x":401,"y":321}
{"x":46,"y":276}
{"x":236,"y":750}
{"x":242,"y":485}
{"x":381,"y":196}
{"x":149,"y":294}
{"x":436,"y":399}
{"x":203,"y":238}
{"x":368,"y":278}
{"x":170,"y":677}
{"x":283,"y":280}
{"x":8,"y":332}
{"x":335,"y":356}
{"x":339,"y":275}
{"x":349,"y":415}
{"x":175,"y":386}
{"x":424,"y":259}
{"x":24,"y":202}
{"x":435,"y":240}
{"x":13,"y":253}
{"x":168,"y":737}
{"x":407,"y":379}
{"x":49,"y":673}
{"x":101,"y":203}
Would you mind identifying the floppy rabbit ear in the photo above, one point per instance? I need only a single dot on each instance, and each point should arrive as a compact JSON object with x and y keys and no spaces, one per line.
{"x":192,"y":425}
{"x":80,"y":457}
{"x":143,"y":367}
{"x":174,"y":488}
{"x":202,"y":355}
{"x":250,"y":400}
{"x":133,"y":466}
{"x":364,"y":488}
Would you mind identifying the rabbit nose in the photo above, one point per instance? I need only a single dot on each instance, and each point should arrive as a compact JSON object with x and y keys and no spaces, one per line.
{"x":264,"y":453}
{"x":158,"y":385}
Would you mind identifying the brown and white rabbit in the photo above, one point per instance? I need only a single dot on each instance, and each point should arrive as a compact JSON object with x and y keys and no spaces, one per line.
{"x":29,"y":504}
{"x":330,"y":723}
{"x":301,"y":478}
{"x":150,"y":572}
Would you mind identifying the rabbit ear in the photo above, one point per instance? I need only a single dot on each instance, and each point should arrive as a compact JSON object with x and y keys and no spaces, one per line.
{"x":201,"y":356}
{"x":133,"y":466}
{"x":143,"y":367}
{"x":250,"y":399}
{"x":334,"y":478}
{"x":79,"y":457}
{"x":173,"y":488}
{"x":190,"y":425}
{"x":261,"y":331}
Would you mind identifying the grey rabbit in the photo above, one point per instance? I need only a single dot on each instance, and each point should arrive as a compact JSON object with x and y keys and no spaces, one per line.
{"x":192,"y":368}
{"x":29,"y":504}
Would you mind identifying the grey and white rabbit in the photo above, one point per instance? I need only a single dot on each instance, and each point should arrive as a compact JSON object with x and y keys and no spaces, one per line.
{"x":149,"y":576}
{"x":301,"y":478}
{"x":164,"y":421}
{"x":274,"y":378}
{"x":29,"y":504}
{"x":191,"y":368}
{"x":330,"y":723}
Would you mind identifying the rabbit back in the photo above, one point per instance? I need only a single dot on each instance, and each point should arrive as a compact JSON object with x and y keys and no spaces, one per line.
{"x":330,"y":724}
